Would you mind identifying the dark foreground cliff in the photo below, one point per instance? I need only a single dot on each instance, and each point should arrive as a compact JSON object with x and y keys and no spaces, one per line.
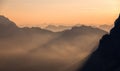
{"x":107,"y":56}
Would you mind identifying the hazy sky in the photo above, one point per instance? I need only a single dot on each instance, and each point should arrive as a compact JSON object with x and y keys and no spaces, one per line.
{"x":60,"y":12}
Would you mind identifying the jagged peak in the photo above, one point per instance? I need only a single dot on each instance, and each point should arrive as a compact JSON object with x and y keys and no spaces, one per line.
{"x":5,"y":21}
{"x":3,"y":17}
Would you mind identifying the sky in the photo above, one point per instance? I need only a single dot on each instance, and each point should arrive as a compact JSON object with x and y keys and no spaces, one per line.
{"x":60,"y":12}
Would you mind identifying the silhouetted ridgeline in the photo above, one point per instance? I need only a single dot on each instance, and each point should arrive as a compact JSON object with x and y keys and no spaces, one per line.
{"x":35,"y":49}
{"x":57,"y":28}
{"x":106,"y":27}
{"x":107,"y":56}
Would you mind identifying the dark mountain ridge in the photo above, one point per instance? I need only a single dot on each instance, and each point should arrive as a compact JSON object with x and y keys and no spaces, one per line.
{"x":107,"y":56}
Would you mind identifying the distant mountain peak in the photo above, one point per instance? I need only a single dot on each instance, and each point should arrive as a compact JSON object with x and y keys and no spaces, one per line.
{"x":84,"y":28}
{"x":7,"y":27}
{"x":5,"y":22}
{"x":3,"y":18}
{"x":57,"y":28}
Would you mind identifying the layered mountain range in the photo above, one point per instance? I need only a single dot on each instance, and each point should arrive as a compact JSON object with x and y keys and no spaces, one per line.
{"x":36,"y":49}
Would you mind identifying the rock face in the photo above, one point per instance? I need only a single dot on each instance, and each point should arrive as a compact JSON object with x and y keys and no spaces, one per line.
{"x":107,"y":56}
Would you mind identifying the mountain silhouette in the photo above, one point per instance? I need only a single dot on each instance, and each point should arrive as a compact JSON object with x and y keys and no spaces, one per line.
{"x":5,"y":22}
{"x":57,"y":28}
{"x":106,"y":27}
{"x":71,"y":37}
{"x":36,"y":49}
{"x":107,"y":56}
{"x":7,"y":27}
{"x":70,"y":46}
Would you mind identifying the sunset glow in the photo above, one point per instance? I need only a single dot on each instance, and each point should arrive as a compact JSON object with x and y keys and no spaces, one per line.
{"x":60,"y":12}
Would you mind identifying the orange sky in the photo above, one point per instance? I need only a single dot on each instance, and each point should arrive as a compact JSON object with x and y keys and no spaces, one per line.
{"x":60,"y":12}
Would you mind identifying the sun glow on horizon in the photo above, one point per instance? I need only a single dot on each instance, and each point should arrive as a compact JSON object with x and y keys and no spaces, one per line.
{"x":61,"y":12}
